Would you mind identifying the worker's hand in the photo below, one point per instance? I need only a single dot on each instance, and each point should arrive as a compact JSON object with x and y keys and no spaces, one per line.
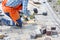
{"x":25,"y":16}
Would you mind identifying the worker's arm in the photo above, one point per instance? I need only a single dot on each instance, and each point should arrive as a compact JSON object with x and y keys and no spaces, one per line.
{"x":24,"y":9}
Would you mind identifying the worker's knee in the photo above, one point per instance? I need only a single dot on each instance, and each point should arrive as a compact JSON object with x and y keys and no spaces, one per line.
{"x":19,"y":22}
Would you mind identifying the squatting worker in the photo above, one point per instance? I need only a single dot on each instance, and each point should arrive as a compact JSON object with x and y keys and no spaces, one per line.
{"x":11,"y":8}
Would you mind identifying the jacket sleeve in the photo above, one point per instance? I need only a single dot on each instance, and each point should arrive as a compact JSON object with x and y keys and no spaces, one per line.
{"x":13,"y":3}
{"x":24,"y":9}
{"x":9,"y":3}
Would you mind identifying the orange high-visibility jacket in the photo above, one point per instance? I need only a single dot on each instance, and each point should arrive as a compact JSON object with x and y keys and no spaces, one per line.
{"x":13,"y":12}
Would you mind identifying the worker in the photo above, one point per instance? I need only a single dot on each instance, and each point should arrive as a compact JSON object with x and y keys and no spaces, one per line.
{"x":12,"y":7}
